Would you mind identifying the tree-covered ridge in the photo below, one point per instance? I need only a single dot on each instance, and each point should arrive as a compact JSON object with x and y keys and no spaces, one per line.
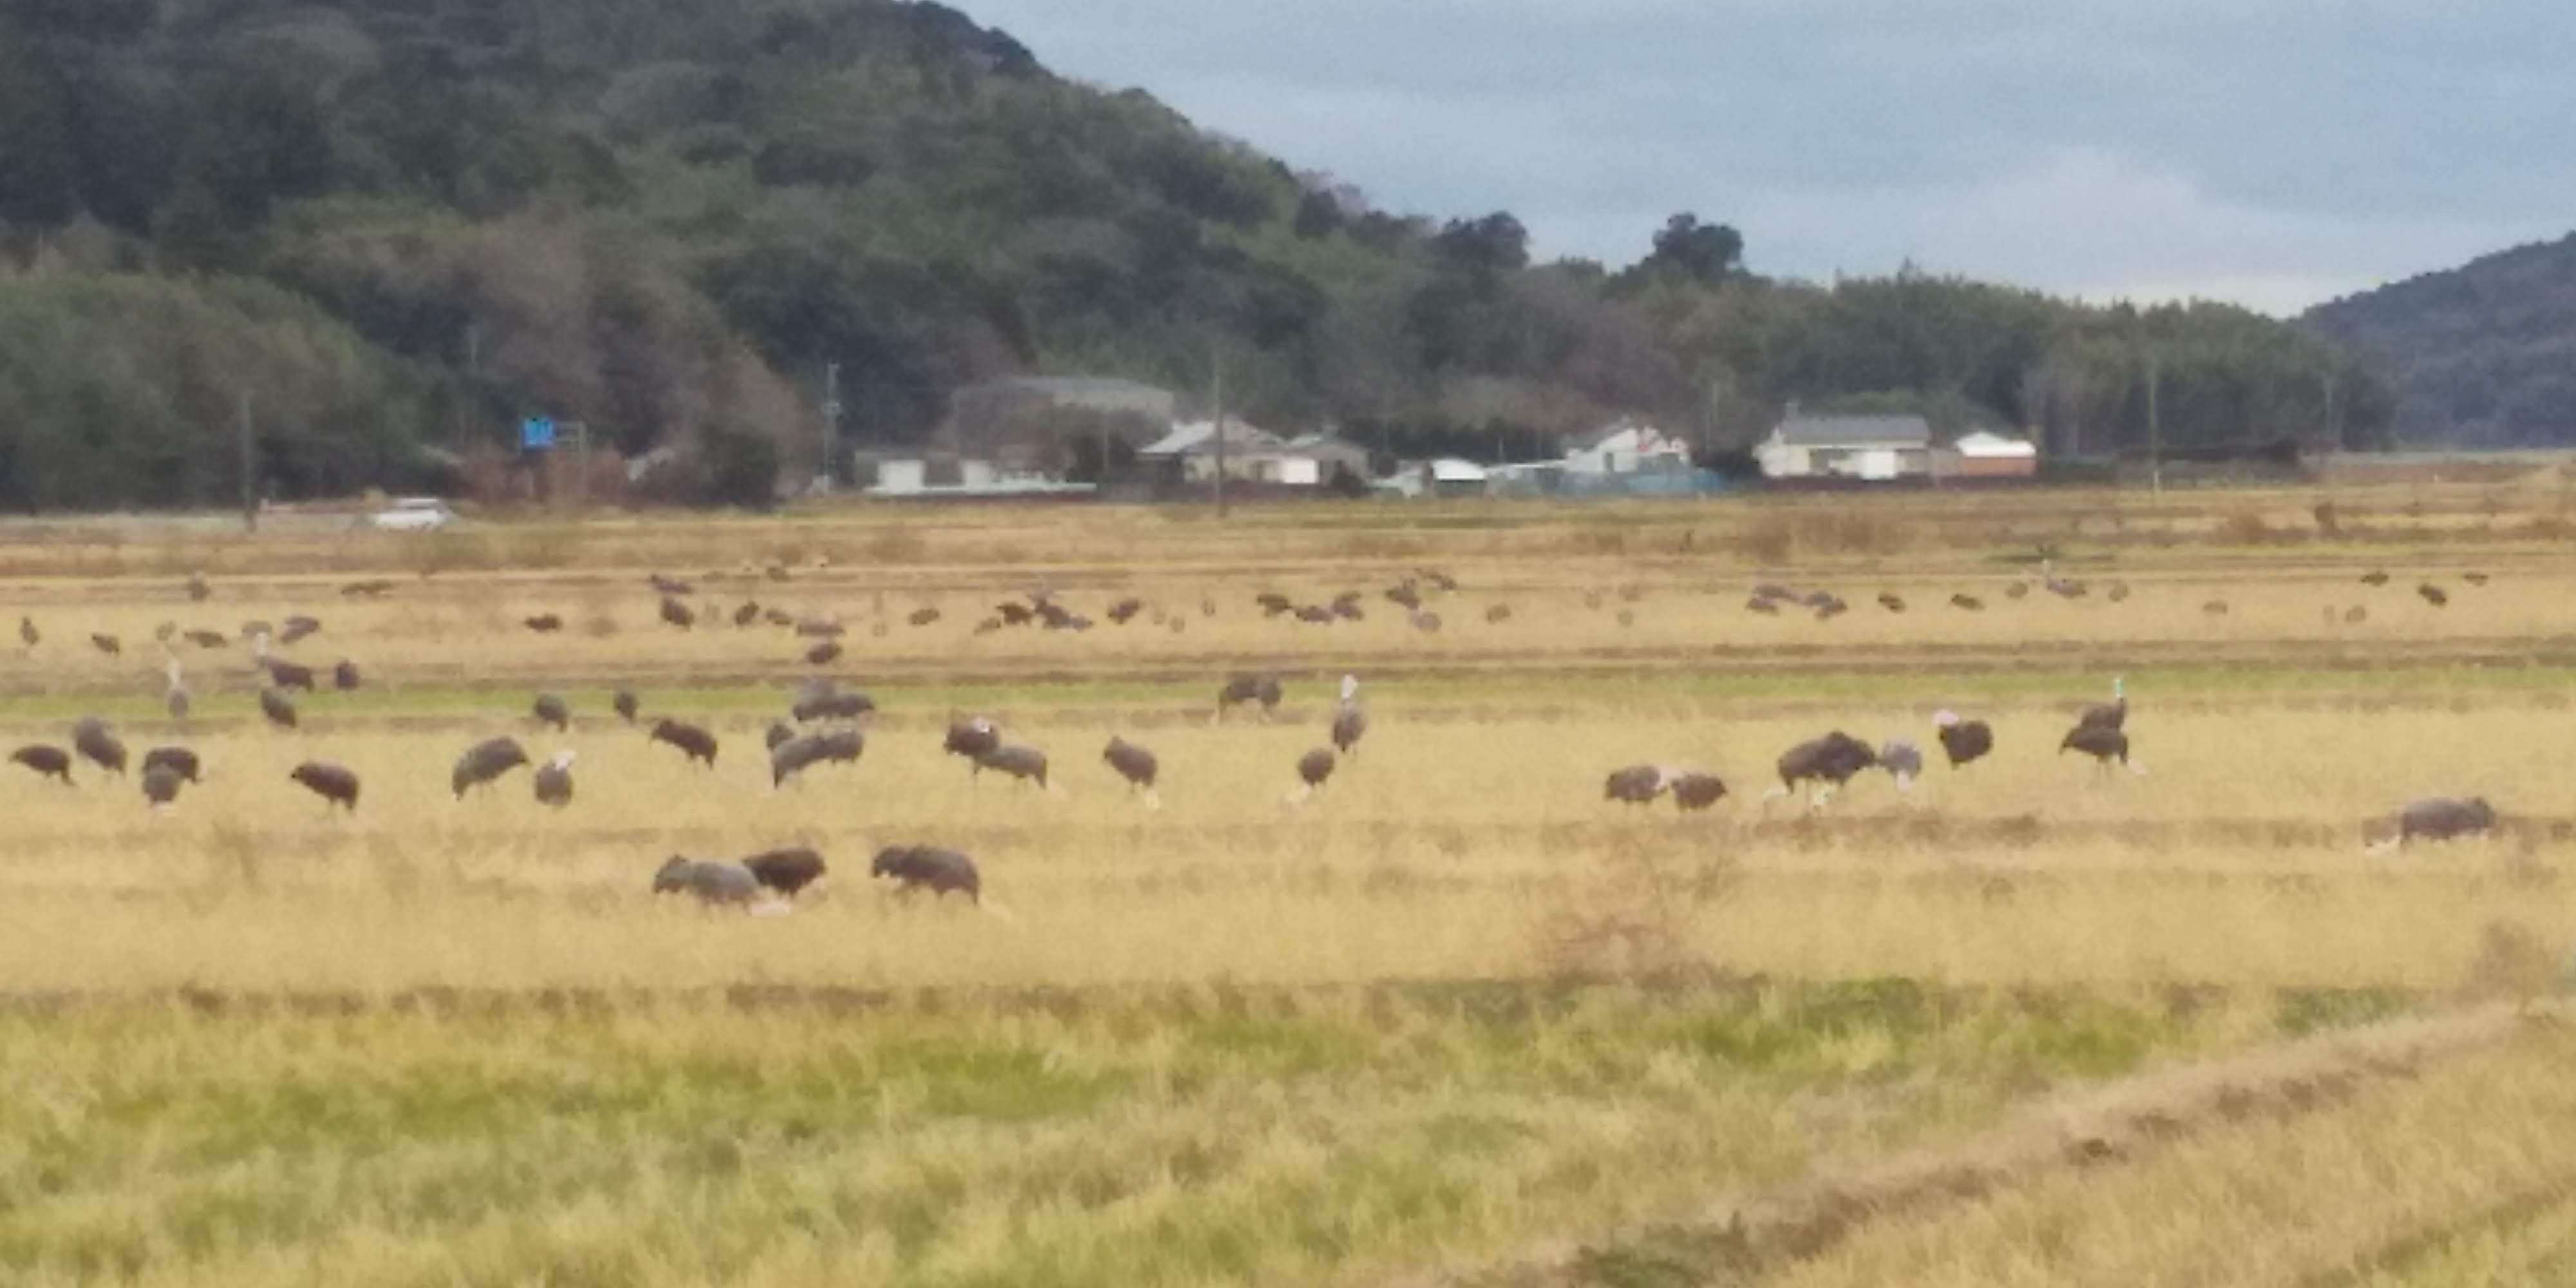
{"x":665,"y":217}
{"x":2484,"y":353}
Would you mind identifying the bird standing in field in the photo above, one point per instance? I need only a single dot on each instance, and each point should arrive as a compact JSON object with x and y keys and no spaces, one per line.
{"x":1964,"y":741}
{"x":1313,"y":769}
{"x":554,"y":780}
{"x":550,"y":709}
{"x":161,"y":786}
{"x":484,"y":762}
{"x":1026,"y":764}
{"x":1634,"y":785}
{"x":2113,"y":714}
{"x":1828,"y":763}
{"x":277,"y":708}
{"x":335,"y":785}
{"x":787,"y":871}
{"x":625,"y":705}
{"x":1903,"y":762}
{"x":1350,"y":722}
{"x":106,"y":643}
{"x":695,"y":743}
{"x":1243,"y":689}
{"x":713,"y":883}
{"x":2103,"y":743}
{"x":2439,"y":818}
{"x":924,"y":867}
{"x":98,"y":745}
{"x":175,"y":700}
{"x":47,"y":762}
{"x":1137,"y":766}
{"x":1695,"y":791}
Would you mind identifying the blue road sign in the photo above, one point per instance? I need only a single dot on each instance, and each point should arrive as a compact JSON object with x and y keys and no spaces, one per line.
{"x":536,"y":433}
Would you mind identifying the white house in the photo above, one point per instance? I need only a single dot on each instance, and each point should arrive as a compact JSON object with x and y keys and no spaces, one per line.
{"x":1628,"y":447}
{"x":1983,"y":454}
{"x":1875,"y":448}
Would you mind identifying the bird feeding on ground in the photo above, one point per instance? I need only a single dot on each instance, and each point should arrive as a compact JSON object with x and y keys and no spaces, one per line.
{"x":2113,"y":714}
{"x":787,"y":871}
{"x":1242,"y":689}
{"x":161,"y":786}
{"x":97,"y":745}
{"x":1903,"y":762}
{"x":335,"y":785}
{"x":974,"y":738}
{"x":1634,"y":785}
{"x":2439,"y":818}
{"x":625,"y":705}
{"x":1828,"y":763}
{"x":923,"y":867}
{"x":1350,"y":722}
{"x":2105,"y":745}
{"x":712,"y":883}
{"x":554,"y":780}
{"x":1313,"y":769}
{"x":695,"y":743}
{"x":1963,"y":741}
{"x":1027,"y":764}
{"x":1136,"y":765}
{"x":484,"y":762}
{"x":178,"y":760}
{"x":47,"y":762}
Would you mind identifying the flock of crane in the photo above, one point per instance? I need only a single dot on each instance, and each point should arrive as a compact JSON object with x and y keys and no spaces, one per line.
{"x":1823,"y":766}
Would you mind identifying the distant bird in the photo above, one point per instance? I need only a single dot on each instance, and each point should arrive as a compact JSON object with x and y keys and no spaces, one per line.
{"x":550,"y":709}
{"x":1634,"y":785}
{"x":777,"y":617}
{"x":1828,"y":763}
{"x":336,"y":786}
{"x":175,"y":698}
{"x":2433,"y":594}
{"x":543,"y":623}
{"x":1891,"y":601}
{"x":198,"y":590}
{"x":747,"y":614}
{"x":2119,"y":592}
{"x":2113,"y":714}
{"x":2215,"y":608}
{"x":1425,"y":621}
{"x":366,"y":589}
{"x":2016,"y":590}
{"x":792,"y":757}
{"x":2440,"y":818}
{"x":1313,"y":769}
{"x":554,"y":780}
{"x":178,"y":760}
{"x":1964,"y":741}
{"x":207,"y":639}
{"x":787,"y":871}
{"x":625,"y":705}
{"x":1903,"y":762}
{"x":777,"y":735}
{"x":923,"y":867}
{"x":2374,"y":577}
{"x":1761,"y":604}
{"x":2356,"y":615}
{"x":1027,"y":764}
{"x":2474,"y":578}
{"x":1136,"y":765}
{"x":281,"y":673}
{"x":48,"y":762}
{"x":2102,"y":743}
{"x":1693,"y":792}
{"x":1125,"y":610}
{"x":1350,"y":722}
{"x":923,"y":616}
{"x":1968,"y":602}
{"x":161,"y":786}
{"x":298,"y":627}
{"x":677,"y":613}
{"x":28,"y":633}
{"x":107,"y":644}
{"x":972,"y":738}
{"x":820,"y":628}
{"x":695,"y":743}
{"x":1263,"y":689}
{"x":712,"y":883}
{"x":823,"y":654}
{"x":484,"y":762}
{"x":1499,"y":613}
{"x":98,"y":745}
{"x":345,"y":677}
{"x":669,"y":586}
{"x":278,"y":708}
{"x":827,"y":701}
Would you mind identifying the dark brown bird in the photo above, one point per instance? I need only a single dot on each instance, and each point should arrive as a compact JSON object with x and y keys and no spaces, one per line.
{"x":677,"y":613}
{"x":550,"y":709}
{"x":625,"y":705}
{"x":1634,"y":785}
{"x":1313,"y":769}
{"x":827,"y":701}
{"x":1136,"y":765}
{"x":2113,"y":714}
{"x":1263,"y":689}
{"x":554,"y":780}
{"x":1963,"y":740}
{"x":923,"y":867}
{"x":786,"y":871}
{"x":198,"y":590}
{"x":1828,"y":762}
{"x":98,"y":745}
{"x":2103,"y":744}
{"x":485,"y":762}
{"x":1968,"y":602}
{"x":299,"y":627}
{"x":923,"y":616}
{"x":27,"y":632}
{"x":345,"y":677}
{"x":543,"y":623}
{"x":1499,"y":613}
{"x":2433,"y":594}
{"x":974,"y":738}
{"x":695,"y":743}
{"x":278,"y":708}
{"x":48,"y":762}
{"x":2374,"y":577}
{"x":1693,"y":792}
{"x":178,"y":760}
{"x":336,"y":786}
{"x":823,"y":654}
{"x":1013,"y":613}
{"x":107,"y":644}
{"x":208,"y":639}
{"x":747,"y":614}
{"x":1124,"y":610}
{"x":1891,"y":601}
{"x":1026,"y":764}
{"x":161,"y":786}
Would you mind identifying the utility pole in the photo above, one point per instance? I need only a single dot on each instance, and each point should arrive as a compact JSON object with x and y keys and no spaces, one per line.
{"x":2155,"y":425}
{"x":2334,"y":428}
{"x":831,"y":423}
{"x":581,"y":466}
{"x":1218,"y":396}
{"x":249,"y":470}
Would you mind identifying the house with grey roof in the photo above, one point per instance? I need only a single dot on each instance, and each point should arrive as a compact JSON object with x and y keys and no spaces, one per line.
{"x":1869,"y":448}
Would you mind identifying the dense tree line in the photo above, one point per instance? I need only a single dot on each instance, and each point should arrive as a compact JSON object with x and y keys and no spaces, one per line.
{"x":2485,"y":353}
{"x":665,"y":217}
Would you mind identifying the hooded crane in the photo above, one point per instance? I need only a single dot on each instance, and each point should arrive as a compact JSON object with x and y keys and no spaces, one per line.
{"x":48,"y":762}
{"x":298,"y":627}
{"x":1350,"y":722}
{"x":106,"y":643}
{"x":625,"y":705}
{"x":554,"y":780}
{"x":787,"y":871}
{"x":2113,"y":714}
{"x":1137,"y":766}
{"x":2439,"y":818}
{"x":281,"y":673}
{"x":1263,"y":689}
{"x":28,"y":633}
{"x":1634,"y":785}
{"x":824,"y":700}
{"x":2103,"y":744}
{"x":161,"y":786}
{"x":279,"y":708}
{"x":336,"y":786}
{"x":974,"y":738}
{"x":175,"y":700}
{"x":1829,"y":762}
{"x":484,"y":762}
{"x":677,"y":613}
{"x":1694,"y":791}
{"x":790,"y":758}
{"x":549,"y":709}
{"x":695,"y":743}
{"x":1313,"y":769}
{"x":1027,"y":764}
{"x":924,"y":867}
{"x":777,"y":735}
{"x":1963,"y":740}
{"x":97,"y":745}
{"x":345,"y":677}
{"x":1903,"y":762}
{"x":712,"y":883}
{"x":543,"y":623}
{"x":178,"y":760}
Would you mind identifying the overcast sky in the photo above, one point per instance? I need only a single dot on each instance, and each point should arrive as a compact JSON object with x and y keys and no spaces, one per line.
{"x":2271,"y":152}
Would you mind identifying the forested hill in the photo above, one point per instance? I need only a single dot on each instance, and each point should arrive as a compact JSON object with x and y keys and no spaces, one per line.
{"x":2483,"y":354}
{"x":398,"y":223}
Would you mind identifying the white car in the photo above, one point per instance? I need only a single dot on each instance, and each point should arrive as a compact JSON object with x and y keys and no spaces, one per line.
{"x":414,"y":514}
